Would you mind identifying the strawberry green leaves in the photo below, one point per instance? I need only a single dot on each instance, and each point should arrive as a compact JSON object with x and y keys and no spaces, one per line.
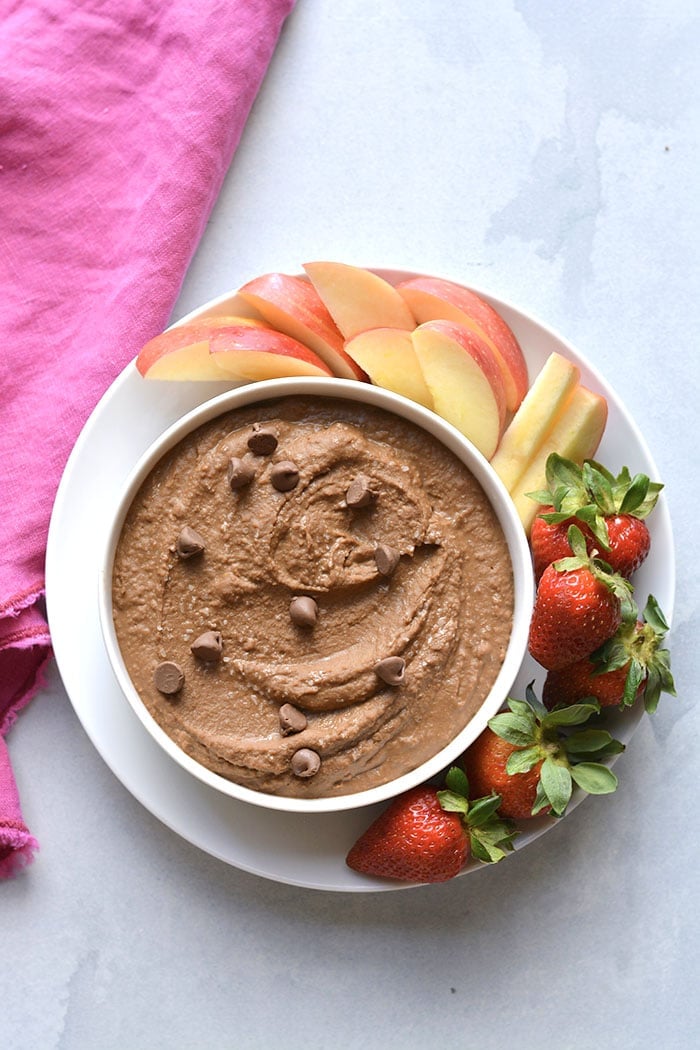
{"x":623,"y":494}
{"x":638,"y":646}
{"x":594,"y":778}
{"x":490,"y":837}
{"x":555,"y":787}
{"x":593,"y":494}
{"x":569,"y":757}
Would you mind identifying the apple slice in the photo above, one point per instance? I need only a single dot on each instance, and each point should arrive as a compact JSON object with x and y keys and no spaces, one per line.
{"x":182,"y":352}
{"x":388,"y":357}
{"x":245,"y":352}
{"x":432,"y":299}
{"x":292,"y":305}
{"x":464,"y":380}
{"x":575,"y":435}
{"x":358,"y":299}
{"x":529,"y":426}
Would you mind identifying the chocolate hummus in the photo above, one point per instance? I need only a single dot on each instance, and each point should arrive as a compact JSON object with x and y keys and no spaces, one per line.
{"x":311,"y":596}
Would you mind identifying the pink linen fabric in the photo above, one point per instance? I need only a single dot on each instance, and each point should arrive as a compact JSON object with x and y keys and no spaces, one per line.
{"x":118,"y":122}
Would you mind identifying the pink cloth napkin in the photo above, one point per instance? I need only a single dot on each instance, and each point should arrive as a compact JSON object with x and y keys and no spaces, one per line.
{"x":118,"y":122}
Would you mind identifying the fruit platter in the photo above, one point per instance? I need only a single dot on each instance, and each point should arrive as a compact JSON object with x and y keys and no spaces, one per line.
{"x":588,"y":498}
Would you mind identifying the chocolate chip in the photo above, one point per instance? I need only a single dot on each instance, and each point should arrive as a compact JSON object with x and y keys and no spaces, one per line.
{"x":208,"y":647}
{"x":262,"y":441}
{"x":391,"y":670}
{"x":189,"y":543}
{"x":303,"y":611}
{"x":240,"y":472}
{"x":360,"y":492}
{"x":168,"y":678}
{"x":284,"y":475}
{"x":305,"y":763}
{"x":386,"y":558}
{"x":292,"y":720}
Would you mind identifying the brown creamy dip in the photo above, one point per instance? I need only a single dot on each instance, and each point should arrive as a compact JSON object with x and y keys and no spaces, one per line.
{"x":404,"y":578}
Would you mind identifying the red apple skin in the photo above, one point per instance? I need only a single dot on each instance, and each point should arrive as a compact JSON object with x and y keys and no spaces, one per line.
{"x":244,"y":352}
{"x":293,"y":306}
{"x":194,"y":337}
{"x":433,"y":298}
{"x":480,"y":354}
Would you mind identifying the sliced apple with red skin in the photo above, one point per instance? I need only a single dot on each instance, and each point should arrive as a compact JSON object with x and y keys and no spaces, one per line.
{"x":248,"y":353}
{"x":432,"y":298}
{"x":464,"y":380}
{"x":358,"y":299}
{"x":292,"y":305}
{"x":182,"y":352}
{"x":389,"y":358}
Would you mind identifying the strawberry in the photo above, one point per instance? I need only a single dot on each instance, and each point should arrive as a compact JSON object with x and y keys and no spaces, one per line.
{"x":579,"y":605}
{"x":549,"y":541}
{"x":530,"y":759}
{"x":427,"y":835}
{"x":629,"y":665}
{"x":629,"y":543}
{"x":485,"y":763}
{"x":609,"y":510}
{"x":581,"y":680}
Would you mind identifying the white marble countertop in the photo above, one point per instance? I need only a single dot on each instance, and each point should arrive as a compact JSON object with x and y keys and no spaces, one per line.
{"x":548,"y":153}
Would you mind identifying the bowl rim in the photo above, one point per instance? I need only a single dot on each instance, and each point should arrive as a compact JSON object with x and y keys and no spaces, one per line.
{"x":363,"y":393}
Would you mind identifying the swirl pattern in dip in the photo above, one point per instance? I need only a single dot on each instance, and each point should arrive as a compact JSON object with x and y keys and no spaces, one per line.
{"x":382,"y":527}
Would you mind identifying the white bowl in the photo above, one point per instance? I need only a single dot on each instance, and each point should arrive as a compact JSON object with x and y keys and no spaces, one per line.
{"x":451,"y":438}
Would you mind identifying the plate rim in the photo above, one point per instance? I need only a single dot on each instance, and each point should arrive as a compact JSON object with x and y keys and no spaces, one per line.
{"x":81,"y":451}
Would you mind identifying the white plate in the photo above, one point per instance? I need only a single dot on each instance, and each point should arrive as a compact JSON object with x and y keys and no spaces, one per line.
{"x":306,"y":850}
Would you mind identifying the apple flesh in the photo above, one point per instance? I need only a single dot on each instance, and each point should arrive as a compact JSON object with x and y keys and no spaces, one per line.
{"x":575,"y":435}
{"x":248,"y":353}
{"x":292,"y":306}
{"x":358,"y":299}
{"x":182,"y":352}
{"x":464,"y":380}
{"x":432,"y":298}
{"x":389,"y":358}
{"x":529,"y":426}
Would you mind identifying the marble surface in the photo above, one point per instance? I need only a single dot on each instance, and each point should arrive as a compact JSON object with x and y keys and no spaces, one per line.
{"x":549,"y":153}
